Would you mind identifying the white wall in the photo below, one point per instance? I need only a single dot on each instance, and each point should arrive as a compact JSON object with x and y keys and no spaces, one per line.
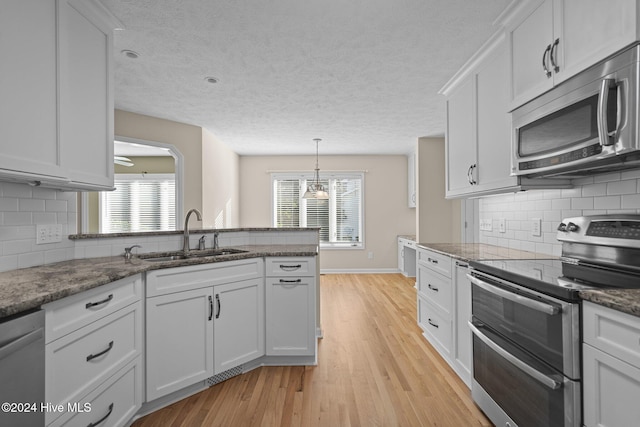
{"x":601,"y":194}
{"x":22,"y":207}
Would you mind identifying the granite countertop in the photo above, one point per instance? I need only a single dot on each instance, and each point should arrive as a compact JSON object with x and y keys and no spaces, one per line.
{"x":479,"y":251}
{"x":624,"y":300}
{"x":29,"y":288}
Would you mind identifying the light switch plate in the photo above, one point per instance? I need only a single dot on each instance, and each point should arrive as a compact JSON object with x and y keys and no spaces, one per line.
{"x":486,"y":224}
{"x":536,"y":224}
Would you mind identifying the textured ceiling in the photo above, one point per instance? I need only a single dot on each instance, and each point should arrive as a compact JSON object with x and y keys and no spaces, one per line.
{"x":363,"y":75}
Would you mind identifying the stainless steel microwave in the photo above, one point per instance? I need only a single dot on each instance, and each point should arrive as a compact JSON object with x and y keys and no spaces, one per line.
{"x":588,"y":124}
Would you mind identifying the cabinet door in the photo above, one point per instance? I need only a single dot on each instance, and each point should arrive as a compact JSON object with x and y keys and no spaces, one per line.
{"x":179,"y":341}
{"x":239,"y":323}
{"x":611,"y":390}
{"x":529,"y":39}
{"x":86,"y":101}
{"x":591,"y":30}
{"x":291,"y":316}
{"x":494,"y":122}
{"x":462,"y":348}
{"x":28,"y":100}
{"x":461,"y":139}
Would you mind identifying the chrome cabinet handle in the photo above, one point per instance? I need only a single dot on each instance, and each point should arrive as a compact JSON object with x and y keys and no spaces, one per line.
{"x":210,"y":307}
{"x":606,"y":137}
{"x":218,"y":304}
{"x":104,"y":301}
{"x":518,"y":299}
{"x":433,"y":288}
{"x":105,"y":351}
{"x":290,"y":267}
{"x":546,"y":69}
{"x":473,"y":180}
{"x":435,"y":325}
{"x":552,"y":56}
{"x":101,"y":420}
{"x":469,"y":175}
{"x":527,"y":369}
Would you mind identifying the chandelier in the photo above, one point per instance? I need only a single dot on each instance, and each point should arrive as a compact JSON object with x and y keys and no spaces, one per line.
{"x":315,"y":190}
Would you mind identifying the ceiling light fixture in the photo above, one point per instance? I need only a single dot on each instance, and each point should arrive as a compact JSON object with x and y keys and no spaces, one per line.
{"x":123,"y":161}
{"x":315,"y":190}
{"x":130,"y":54}
{"x":211,"y":80}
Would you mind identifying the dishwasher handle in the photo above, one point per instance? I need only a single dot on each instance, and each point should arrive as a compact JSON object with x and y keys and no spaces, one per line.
{"x":21,"y":342}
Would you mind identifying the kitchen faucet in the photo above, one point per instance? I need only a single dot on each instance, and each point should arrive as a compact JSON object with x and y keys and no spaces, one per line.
{"x":185,"y":246}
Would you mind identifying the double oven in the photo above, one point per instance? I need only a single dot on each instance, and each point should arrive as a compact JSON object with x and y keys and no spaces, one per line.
{"x":526,"y":318}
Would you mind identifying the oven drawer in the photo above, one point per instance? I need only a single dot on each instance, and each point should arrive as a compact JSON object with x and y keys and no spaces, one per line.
{"x":435,"y":288}
{"x":527,"y":390}
{"x":436,"y":326}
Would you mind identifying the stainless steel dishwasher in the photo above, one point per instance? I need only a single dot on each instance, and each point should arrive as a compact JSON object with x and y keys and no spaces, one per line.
{"x":22,"y":370}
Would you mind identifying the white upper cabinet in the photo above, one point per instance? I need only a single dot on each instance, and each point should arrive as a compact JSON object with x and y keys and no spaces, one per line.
{"x":28,"y":100}
{"x":553,"y":40}
{"x":86,"y":93}
{"x":56,"y":102}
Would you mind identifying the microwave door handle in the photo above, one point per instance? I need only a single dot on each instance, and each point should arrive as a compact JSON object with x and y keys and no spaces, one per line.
{"x":527,"y":369}
{"x":518,"y":299}
{"x":606,"y":138}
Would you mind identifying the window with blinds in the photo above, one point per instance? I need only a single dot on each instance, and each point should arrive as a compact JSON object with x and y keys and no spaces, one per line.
{"x":139,"y":203}
{"x":340,"y":218}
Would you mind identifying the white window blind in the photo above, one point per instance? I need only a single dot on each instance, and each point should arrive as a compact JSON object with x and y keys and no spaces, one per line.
{"x":340,"y":218}
{"x":139,"y":203}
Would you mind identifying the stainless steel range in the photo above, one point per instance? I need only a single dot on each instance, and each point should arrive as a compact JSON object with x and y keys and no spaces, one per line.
{"x":526,"y":320}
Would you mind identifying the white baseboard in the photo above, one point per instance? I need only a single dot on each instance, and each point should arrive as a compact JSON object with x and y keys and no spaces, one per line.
{"x":359,"y":271}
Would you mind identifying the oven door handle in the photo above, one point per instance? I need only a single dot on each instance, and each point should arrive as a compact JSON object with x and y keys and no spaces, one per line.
{"x":532,"y":372}
{"x":519,"y":299}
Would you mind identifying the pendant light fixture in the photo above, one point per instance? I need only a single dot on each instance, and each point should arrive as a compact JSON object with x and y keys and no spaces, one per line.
{"x":315,"y":190}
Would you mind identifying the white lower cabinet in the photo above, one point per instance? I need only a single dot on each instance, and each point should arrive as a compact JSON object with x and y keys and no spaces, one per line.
{"x":239,"y":331}
{"x":202,"y":320}
{"x":291,"y":307}
{"x":179,"y":340}
{"x":611,"y":365}
{"x":444,"y":308}
{"x":85,"y":359}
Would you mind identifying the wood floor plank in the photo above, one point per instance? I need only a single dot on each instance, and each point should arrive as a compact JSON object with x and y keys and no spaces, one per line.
{"x":374,"y":369}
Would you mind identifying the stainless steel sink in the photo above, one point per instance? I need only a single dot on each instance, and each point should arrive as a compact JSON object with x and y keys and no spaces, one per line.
{"x":173,"y":256}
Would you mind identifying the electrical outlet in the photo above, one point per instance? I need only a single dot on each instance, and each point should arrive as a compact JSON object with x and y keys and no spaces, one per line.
{"x":486,"y":224}
{"x":502,"y":225}
{"x":536,"y":224}
{"x":48,"y":233}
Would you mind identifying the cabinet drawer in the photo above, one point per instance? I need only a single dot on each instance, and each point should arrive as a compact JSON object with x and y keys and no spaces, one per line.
{"x":612,"y":331}
{"x":435,"y":288}
{"x":179,"y":279}
{"x":113,"y":402}
{"x":436,"y":327}
{"x":435,"y":261}
{"x":406,"y":242}
{"x":294,"y":266}
{"x":76,"y":363}
{"x":73,"y":312}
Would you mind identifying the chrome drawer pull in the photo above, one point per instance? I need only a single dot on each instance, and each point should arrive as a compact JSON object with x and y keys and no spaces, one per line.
{"x":291,"y":281}
{"x":290,"y":267}
{"x":433,"y":288}
{"x":104,"y":301}
{"x":435,"y":325}
{"x":518,"y":299}
{"x":529,"y":370}
{"x":93,"y":356}
{"x":101,"y":420}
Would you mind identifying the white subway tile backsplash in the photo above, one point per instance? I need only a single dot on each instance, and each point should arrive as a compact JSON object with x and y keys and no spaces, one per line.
{"x":610,"y":193}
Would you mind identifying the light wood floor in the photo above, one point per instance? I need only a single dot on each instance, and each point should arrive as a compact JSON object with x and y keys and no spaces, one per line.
{"x":374,"y":369}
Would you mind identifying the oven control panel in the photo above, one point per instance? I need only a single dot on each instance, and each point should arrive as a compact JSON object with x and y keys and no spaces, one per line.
{"x":602,"y":230}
